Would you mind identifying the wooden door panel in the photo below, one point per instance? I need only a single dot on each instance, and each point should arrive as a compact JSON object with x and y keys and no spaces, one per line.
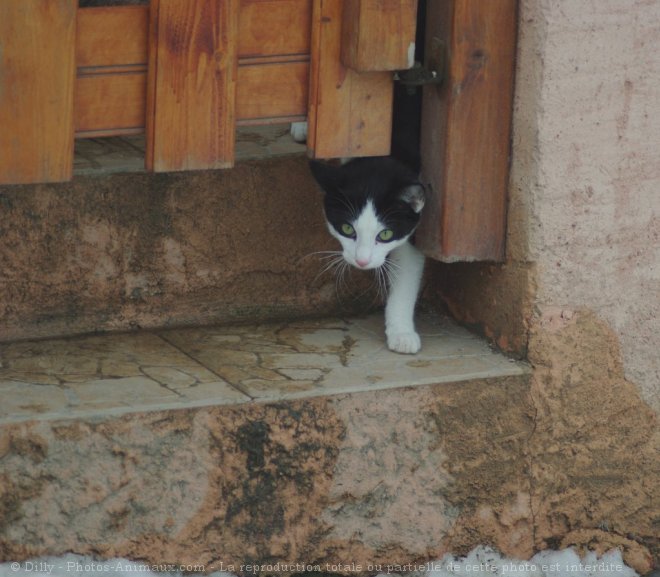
{"x":378,"y":34}
{"x":110,"y":104}
{"x":173,"y":69}
{"x":271,"y":91}
{"x":274,"y":27}
{"x":466,"y":129}
{"x":192,"y":84}
{"x":112,"y":36}
{"x":350,"y":113}
{"x":37,"y":74}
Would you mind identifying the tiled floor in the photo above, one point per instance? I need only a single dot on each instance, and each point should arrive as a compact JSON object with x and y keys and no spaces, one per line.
{"x":98,"y":156}
{"x":120,"y":373}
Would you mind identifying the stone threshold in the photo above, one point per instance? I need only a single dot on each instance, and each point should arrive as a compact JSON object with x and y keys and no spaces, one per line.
{"x":116,"y":374}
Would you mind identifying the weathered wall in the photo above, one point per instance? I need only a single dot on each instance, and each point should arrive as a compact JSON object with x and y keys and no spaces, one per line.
{"x":579,"y":294}
{"x":595,"y":232}
{"x":584,"y":215}
{"x":383,"y":477}
{"x":140,"y":250}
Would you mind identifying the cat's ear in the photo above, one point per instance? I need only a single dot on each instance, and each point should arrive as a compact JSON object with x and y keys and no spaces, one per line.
{"x":414,"y":195}
{"x":329,"y":177}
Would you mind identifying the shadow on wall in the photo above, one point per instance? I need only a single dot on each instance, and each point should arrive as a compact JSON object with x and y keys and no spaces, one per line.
{"x":145,"y":250}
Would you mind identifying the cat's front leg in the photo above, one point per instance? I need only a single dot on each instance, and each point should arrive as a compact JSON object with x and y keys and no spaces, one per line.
{"x":400,"y":309}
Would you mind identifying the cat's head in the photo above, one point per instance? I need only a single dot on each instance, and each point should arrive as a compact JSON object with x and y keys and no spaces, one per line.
{"x":372,"y":206}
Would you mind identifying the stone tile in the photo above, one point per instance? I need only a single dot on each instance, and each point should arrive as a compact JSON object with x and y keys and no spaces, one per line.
{"x":325,"y":357}
{"x":97,"y":156}
{"x":31,"y":398}
{"x":131,"y":372}
{"x":266,"y":141}
{"x":108,"y":155}
{"x":63,"y":378}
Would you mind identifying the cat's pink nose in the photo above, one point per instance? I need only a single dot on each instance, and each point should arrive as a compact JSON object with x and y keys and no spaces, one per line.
{"x":362,"y":262}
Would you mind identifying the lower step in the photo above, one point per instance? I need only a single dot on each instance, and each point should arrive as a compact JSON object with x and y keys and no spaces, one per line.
{"x":302,"y":443}
{"x":114,"y":374}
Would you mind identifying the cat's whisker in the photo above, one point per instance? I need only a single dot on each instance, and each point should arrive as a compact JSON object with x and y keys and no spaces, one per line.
{"x":385,"y":275}
{"x":333,"y":264}
{"x":330,"y":256}
{"x":323,"y":253}
{"x":392,"y":270}
{"x":374,"y":287}
{"x":343,"y":272}
{"x":384,"y":280}
{"x":340,"y":277}
{"x":378,"y":277}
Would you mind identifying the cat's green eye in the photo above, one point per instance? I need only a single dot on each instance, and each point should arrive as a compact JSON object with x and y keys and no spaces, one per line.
{"x":385,"y":235}
{"x":347,"y":229}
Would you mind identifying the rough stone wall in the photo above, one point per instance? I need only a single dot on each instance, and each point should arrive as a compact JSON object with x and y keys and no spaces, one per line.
{"x":361,"y":480}
{"x":593,"y":451}
{"x":387,"y":477}
{"x":141,"y":250}
{"x":579,"y":294}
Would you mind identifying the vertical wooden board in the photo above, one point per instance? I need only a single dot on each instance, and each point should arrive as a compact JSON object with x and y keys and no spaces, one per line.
{"x":37,"y":74}
{"x":350,"y":113}
{"x":379,"y":34}
{"x":191,"y":100}
{"x":152,"y":65}
{"x":466,"y":130}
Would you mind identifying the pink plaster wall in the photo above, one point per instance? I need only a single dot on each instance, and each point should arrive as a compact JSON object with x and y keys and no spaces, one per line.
{"x":587,"y":167}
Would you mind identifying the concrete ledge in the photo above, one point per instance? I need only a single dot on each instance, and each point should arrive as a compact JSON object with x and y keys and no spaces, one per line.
{"x":129,"y":251}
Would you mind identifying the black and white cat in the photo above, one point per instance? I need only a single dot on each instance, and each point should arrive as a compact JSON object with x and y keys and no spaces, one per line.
{"x":372,"y":207}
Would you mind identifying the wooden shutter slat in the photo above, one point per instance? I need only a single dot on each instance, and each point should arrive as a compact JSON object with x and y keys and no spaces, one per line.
{"x":112,"y":36}
{"x":110,"y":104}
{"x":191,"y":91}
{"x":272,"y":90}
{"x":350,"y":113}
{"x":274,"y":27}
{"x":37,"y":74}
{"x":379,"y":34}
{"x":466,"y":128}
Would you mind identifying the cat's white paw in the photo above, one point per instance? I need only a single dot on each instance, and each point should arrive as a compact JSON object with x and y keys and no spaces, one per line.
{"x":407,"y":343}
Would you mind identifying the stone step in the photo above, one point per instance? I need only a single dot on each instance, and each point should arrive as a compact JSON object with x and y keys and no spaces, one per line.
{"x":114,"y":374}
{"x":304,"y":443}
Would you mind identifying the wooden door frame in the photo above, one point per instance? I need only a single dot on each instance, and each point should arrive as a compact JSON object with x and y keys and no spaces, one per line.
{"x":466,"y":129}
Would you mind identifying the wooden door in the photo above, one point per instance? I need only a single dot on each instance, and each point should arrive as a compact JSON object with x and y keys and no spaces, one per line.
{"x":466,"y":128}
{"x":37,"y":74}
{"x":192,"y":84}
{"x":187,"y":72}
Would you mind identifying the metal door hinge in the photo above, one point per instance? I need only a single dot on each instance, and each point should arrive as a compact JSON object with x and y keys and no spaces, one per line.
{"x":433,"y":72}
